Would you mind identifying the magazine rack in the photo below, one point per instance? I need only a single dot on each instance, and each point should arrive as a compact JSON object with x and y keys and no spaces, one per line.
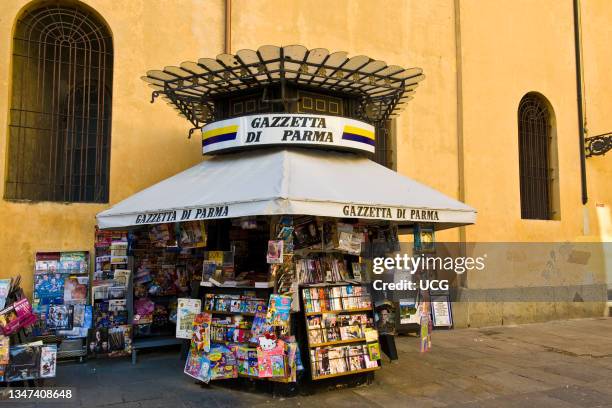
{"x":50,"y":263}
{"x":338,"y":349}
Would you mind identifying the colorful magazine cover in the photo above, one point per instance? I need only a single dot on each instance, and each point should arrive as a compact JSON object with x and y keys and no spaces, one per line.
{"x":279,"y":308}
{"x":120,"y":340}
{"x":49,"y":288}
{"x":48,"y":358}
{"x":18,"y":315}
{"x":200,"y":339}
{"x":24,"y":363}
{"x":260,"y":326}
{"x":197,"y":365}
{"x":97,"y":341}
{"x":186,"y":311}
{"x":60,"y":317}
{"x":4,"y":349}
{"x":75,"y":290}
{"x":270,"y":357}
{"x":5,"y":286}
{"x":275,"y":252}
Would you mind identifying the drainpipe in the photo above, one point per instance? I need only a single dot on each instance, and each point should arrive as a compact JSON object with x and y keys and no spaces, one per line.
{"x":228,"y":26}
{"x":578,"y":51}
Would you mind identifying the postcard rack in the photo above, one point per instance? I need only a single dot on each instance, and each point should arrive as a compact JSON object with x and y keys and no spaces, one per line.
{"x":340,"y":330}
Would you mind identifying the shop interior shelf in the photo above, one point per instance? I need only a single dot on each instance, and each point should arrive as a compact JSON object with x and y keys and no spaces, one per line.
{"x":334,"y":342}
{"x":228,"y":312}
{"x":361,"y":309}
{"x":363,"y":370}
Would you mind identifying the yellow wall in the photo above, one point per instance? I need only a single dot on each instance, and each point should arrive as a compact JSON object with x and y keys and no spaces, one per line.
{"x":506,"y":49}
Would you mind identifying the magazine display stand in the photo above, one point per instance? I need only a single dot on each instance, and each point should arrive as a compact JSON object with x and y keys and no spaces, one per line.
{"x":61,"y":301}
{"x":340,"y":330}
{"x":23,"y":359}
{"x":111,"y":334}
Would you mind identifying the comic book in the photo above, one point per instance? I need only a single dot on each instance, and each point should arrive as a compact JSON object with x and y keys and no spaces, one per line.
{"x":260,"y":326}
{"x":279,"y":308}
{"x":200,"y":340}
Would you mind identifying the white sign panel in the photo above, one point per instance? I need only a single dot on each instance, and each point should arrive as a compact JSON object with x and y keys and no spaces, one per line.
{"x":288,"y":129}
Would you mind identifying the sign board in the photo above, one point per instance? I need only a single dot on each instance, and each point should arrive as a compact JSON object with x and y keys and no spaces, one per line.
{"x":286,"y":129}
{"x":441,"y":311}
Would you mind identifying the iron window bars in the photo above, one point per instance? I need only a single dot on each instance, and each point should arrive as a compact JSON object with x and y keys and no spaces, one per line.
{"x":191,"y":88}
{"x":59,"y":126}
{"x":534,"y":158}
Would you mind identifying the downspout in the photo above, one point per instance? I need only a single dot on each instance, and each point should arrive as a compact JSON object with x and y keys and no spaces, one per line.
{"x":228,"y":27}
{"x":581,"y":131}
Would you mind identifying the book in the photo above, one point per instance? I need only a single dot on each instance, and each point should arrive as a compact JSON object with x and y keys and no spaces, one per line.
{"x":197,"y":365}
{"x":260,"y":326}
{"x":187,"y":310}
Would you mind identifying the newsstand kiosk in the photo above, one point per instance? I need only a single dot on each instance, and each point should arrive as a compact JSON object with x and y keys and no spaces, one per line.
{"x":261,"y":255}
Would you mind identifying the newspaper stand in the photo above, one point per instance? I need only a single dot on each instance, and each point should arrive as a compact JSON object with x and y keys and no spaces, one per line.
{"x":292,"y":132}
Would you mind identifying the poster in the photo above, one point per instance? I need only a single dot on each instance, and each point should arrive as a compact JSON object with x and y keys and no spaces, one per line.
{"x":408,"y":311}
{"x":441,"y":311}
{"x":186,"y":312}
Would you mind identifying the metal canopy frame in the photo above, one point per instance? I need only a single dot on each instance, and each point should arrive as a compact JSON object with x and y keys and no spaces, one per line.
{"x":192,"y":87}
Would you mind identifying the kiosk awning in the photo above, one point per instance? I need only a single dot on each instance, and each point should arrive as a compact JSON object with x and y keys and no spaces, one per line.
{"x":296,"y":181}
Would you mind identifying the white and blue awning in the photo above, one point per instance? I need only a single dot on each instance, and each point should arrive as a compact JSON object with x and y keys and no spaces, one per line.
{"x":288,"y":181}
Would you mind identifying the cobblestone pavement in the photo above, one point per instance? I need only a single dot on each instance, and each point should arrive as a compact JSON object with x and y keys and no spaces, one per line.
{"x":556,"y":364}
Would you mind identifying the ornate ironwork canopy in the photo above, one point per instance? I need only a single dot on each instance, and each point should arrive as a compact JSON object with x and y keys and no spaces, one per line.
{"x":193,"y":87}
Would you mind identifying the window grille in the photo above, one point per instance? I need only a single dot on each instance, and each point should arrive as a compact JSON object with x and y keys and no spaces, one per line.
{"x":60,"y":115}
{"x":534,"y":157}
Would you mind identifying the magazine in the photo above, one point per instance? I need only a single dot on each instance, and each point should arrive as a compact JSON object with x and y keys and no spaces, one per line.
{"x":275,"y":252}
{"x":60,"y":317}
{"x":306,"y":234}
{"x":4,"y":349}
{"x":200,"y":339}
{"x":186,"y":311}
{"x":122,"y":276}
{"x":279,"y":308}
{"x":48,"y":357}
{"x":260,"y":326}
{"x":197,"y":365}
{"x":49,"y":288}
{"x":5,"y":286}
{"x":75,"y":290}
{"x":18,"y":315}
{"x":120,"y":340}
{"x":24,"y":362}
{"x":97,"y":341}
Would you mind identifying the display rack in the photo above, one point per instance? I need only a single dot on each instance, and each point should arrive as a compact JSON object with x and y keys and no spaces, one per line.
{"x":61,"y":281}
{"x":111,"y":333}
{"x":339,"y":346}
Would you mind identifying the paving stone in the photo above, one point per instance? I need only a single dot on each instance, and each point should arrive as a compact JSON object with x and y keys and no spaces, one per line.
{"x":581,"y":396}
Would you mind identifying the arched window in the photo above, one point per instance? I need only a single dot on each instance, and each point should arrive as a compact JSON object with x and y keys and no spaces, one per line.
{"x":60,"y":115}
{"x":537,"y":158}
